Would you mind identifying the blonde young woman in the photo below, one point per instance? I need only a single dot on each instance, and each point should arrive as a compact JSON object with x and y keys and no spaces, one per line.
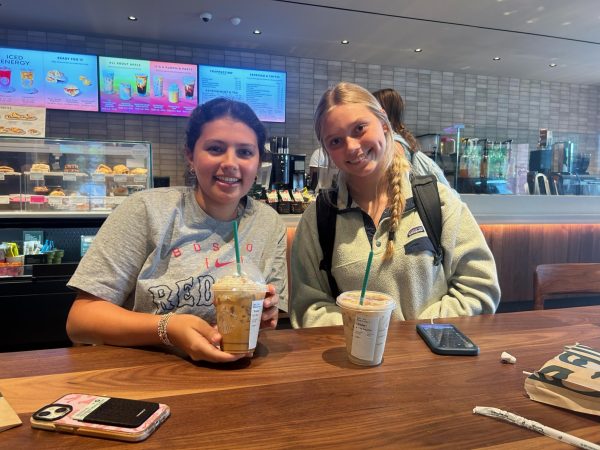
{"x":375,"y":211}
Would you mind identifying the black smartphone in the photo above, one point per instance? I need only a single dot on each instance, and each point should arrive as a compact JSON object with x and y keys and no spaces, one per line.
{"x":446,"y":339}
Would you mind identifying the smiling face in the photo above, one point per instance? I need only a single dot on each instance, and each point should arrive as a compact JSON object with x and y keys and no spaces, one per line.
{"x":355,"y":140}
{"x":226,"y":160}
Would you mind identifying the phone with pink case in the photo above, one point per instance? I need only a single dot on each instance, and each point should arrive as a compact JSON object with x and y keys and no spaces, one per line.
{"x":100,"y":416}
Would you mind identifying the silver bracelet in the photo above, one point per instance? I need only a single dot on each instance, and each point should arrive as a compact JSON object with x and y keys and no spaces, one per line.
{"x":162,"y":329}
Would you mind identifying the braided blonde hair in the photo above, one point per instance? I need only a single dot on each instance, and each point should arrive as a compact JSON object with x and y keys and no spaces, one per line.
{"x":395,"y":164}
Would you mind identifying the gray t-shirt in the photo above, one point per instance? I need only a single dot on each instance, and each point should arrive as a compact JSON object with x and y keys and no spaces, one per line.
{"x":159,"y":251}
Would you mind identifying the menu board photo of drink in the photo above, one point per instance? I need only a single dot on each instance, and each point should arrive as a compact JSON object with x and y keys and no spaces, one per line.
{"x":263,"y":90}
{"x":147,"y":87}
{"x":48,"y":79}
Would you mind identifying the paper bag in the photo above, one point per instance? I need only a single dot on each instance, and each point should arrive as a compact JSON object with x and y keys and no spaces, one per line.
{"x":570,"y":380}
{"x":8,"y":416}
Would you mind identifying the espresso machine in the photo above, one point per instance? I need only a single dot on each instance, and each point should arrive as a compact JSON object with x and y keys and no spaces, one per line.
{"x":554,"y":168}
{"x":288,"y":170}
{"x":539,"y":178}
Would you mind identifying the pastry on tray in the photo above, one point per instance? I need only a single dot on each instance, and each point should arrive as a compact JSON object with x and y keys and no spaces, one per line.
{"x":40,"y":190}
{"x":6,"y":169}
{"x":40,"y":167}
{"x":57,"y":193}
{"x":103,"y":168}
{"x":120,"y":169}
{"x":139,"y":171}
{"x":120,"y":191}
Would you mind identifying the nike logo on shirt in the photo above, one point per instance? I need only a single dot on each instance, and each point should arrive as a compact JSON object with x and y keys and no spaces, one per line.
{"x":220,"y":264}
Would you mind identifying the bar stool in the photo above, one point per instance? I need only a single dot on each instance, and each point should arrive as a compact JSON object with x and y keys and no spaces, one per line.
{"x":569,"y":278}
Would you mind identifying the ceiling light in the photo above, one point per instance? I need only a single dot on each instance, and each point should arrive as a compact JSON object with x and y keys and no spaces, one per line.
{"x":256,"y":32}
{"x":345,"y":41}
{"x":552,"y":65}
{"x":132,"y":18}
{"x":235,"y":21}
{"x":418,"y":50}
{"x":496,"y":58}
{"x":564,"y":24}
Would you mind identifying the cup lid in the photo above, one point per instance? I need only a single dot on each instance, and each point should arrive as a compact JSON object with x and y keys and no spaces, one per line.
{"x":251,"y":278}
{"x":373,"y":301}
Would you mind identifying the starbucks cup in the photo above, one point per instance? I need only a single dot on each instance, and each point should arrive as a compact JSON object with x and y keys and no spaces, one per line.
{"x":366,"y":325}
{"x":238,"y":301}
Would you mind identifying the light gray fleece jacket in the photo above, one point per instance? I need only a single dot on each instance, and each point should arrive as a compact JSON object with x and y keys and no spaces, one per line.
{"x":465,"y":284}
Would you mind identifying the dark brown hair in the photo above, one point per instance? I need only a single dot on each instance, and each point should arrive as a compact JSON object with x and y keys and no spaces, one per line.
{"x":391,"y":101}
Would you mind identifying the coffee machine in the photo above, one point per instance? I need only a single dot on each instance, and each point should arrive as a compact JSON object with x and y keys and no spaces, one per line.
{"x":540,"y":166}
{"x":288,"y":170}
{"x":554,"y":168}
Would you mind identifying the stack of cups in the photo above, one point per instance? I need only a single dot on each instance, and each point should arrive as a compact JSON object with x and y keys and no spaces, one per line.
{"x":365,"y":325}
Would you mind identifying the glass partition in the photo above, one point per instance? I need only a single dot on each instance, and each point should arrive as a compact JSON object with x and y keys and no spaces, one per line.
{"x":483,"y":160}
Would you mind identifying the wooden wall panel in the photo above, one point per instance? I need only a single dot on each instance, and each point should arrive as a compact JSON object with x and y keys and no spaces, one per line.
{"x":518,"y":248}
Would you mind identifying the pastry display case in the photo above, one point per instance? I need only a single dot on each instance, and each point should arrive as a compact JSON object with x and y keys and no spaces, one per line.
{"x":44,"y":174}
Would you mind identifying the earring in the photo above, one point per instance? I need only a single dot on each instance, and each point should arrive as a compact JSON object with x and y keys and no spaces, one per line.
{"x":192,"y":171}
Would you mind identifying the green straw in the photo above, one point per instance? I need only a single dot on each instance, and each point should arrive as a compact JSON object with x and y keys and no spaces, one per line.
{"x":237,"y":248}
{"x":366,"y":278}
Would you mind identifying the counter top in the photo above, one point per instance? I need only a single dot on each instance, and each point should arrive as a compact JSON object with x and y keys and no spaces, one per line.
{"x":487,"y":209}
{"x":521,"y":209}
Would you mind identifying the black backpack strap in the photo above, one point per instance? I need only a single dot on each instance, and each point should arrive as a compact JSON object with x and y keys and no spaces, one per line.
{"x":326,"y":218}
{"x":427,"y":202}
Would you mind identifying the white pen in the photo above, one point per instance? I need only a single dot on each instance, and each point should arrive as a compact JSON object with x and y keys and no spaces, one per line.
{"x":535,"y":426}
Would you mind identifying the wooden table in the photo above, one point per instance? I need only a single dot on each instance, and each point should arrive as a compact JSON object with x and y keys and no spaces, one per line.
{"x":300,"y":391}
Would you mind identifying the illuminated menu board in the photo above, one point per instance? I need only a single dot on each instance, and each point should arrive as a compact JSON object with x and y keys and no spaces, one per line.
{"x":48,"y":79}
{"x":263,"y":90}
{"x":147,"y":87}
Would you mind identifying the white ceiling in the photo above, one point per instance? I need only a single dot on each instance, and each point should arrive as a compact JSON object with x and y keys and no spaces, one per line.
{"x":455,"y":35}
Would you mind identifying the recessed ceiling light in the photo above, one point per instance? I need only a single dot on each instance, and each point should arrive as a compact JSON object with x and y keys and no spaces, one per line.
{"x":257,"y":32}
{"x":496,"y":58}
{"x":418,"y":50}
{"x":567,"y":23}
{"x":132,"y":18}
{"x":345,"y":41}
{"x":552,"y":65}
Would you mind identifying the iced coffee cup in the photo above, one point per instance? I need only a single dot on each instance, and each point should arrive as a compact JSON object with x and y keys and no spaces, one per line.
{"x":238,"y":301}
{"x":366,"y":325}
